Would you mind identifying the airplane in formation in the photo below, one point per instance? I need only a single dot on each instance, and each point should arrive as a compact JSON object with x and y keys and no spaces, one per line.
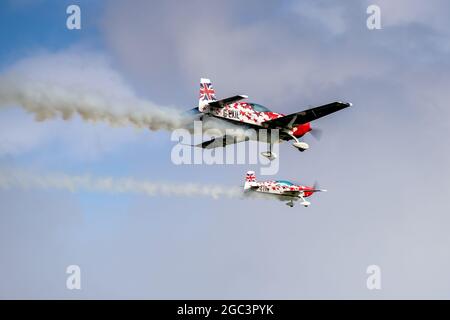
{"x":250,"y":115}
{"x":282,"y":189}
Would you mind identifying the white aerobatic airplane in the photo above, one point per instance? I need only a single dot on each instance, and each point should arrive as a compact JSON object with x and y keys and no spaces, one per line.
{"x":282,"y":189}
{"x":252,"y":115}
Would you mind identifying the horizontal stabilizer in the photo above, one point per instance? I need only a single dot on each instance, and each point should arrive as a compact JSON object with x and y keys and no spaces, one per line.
{"x":223,"y":102}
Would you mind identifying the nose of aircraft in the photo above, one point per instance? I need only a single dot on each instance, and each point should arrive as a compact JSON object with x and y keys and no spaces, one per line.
{"x":302,"y":129}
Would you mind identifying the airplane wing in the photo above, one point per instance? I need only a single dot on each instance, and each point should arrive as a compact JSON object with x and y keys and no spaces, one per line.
{"x":297,"y":192}
{"x":223,"y":102}
{"x":306,"y":115}
{"x":290,"y":193}
{"x":221,"y":141}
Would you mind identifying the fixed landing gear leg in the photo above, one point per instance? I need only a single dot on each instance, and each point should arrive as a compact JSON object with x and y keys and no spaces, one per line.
{"x":269,"y":154}
{"x":301,"y":146}
{"x":304,"y":202}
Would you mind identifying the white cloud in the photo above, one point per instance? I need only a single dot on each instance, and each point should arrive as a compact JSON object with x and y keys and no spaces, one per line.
{"x":384,"y":162}
{"x":266,"y":58}
{"x":330,"y":16}
{"x":74,"y":85}
{"x":20,"y":135}
{"x":432,"y":14}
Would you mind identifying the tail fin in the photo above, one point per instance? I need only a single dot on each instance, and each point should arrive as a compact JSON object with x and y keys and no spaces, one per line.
{"x":250,"y":180}
{"x":207,"y":94}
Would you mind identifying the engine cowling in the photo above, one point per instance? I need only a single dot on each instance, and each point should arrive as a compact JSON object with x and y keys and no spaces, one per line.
{"x":301,"y":130}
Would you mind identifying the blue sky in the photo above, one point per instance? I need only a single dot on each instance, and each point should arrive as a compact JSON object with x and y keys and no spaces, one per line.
{"x":383,"y":161}
{"x":36,"y":25}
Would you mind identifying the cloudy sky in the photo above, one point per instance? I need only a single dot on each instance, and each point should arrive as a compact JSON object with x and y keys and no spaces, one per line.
{"x":384,"y":161}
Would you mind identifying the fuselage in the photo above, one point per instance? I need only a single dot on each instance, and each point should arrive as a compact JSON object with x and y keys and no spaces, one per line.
{"x":250,"y":113}
{"x":281,"y":187}
{"x":254,"y":114}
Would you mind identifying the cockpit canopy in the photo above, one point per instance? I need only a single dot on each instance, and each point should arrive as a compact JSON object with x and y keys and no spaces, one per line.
{"x":258,"y":107}
{"x":284,"y":182}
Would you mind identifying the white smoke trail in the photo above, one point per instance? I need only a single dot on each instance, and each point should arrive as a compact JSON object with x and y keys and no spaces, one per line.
{"x":69,"y":83}
{"x":25,"y":179}
{"x":76,"y":83}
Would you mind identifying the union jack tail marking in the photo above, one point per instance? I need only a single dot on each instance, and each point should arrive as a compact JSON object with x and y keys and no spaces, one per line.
{"x":207,"y":93}
{"x":250,"y":180}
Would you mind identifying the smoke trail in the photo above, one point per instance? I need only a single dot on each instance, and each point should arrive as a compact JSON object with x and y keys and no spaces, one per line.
{"x":76,"y":83}
{"x":69,"y":83}
{"x":23,"y":179}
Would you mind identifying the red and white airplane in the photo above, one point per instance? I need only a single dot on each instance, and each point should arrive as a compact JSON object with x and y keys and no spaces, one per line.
{"x":255,"y":116}
{"x":282,"y":189}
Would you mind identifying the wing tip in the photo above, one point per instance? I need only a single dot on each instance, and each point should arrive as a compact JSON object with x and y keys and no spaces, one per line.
{"x":347,"y":104}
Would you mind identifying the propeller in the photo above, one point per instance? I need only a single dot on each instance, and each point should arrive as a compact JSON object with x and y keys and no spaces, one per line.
{"x":316,"y":133}
{"x":316,"y":187}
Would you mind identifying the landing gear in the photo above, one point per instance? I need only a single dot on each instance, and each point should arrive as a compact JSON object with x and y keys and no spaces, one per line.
{"x":269,"y":154}
{"x":304,"y":202}
{"x":290,"y":203}
{"x":301,"y":146}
